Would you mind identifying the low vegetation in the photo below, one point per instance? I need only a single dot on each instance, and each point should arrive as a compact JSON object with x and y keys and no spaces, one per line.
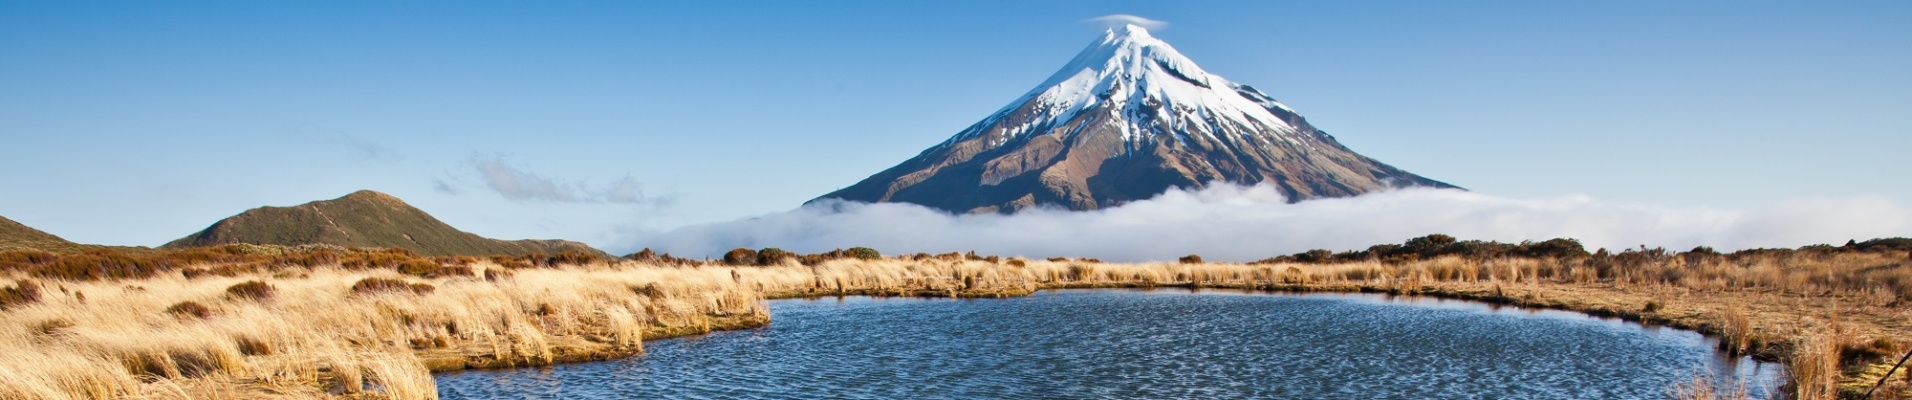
{"x":302,"y":322}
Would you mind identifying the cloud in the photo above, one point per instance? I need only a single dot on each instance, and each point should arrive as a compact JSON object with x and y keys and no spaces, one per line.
{"x":1235,"y":223}
{"x":442,"y":186}
{"x":521,"y":185}
{"x":357,"y":147}
{"x":1117,"y":20}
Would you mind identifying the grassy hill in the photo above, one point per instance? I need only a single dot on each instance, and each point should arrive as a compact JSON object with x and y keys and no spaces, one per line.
{"x":14,"y":235}
{"x":362,"y":219}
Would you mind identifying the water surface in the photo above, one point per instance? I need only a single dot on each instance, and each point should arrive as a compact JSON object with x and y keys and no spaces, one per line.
{"x":1145,"y":344}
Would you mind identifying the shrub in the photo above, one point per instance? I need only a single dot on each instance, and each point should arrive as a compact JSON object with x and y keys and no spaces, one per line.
{"x":190,"y":309}
{"x":1557,"y":248}
{"x":251,"y":290}
{"x":419,"y":267}
{"x":1018,"y":262}
{"x":1428,"y":246}
{"x":17,"y":260}
{"x":384,"y":285}
{"x":772,"y":256}
{"x":1191,"y":259}
{"x":863,"y":253}
{"x":643,"y":255}
{"x":812,"y":259}
{"x":740,"y":256}
{"x":1315,"y":256}
{"x":572,"y":258}
{"x":100,"y":264}
{"x":511,"y":262}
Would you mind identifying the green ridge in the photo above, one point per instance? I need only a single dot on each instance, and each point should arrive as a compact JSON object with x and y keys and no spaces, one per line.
{"x":362,"y":219}
{"x":14,"y":235}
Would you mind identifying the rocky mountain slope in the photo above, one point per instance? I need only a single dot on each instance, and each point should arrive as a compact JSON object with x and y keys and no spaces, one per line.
{"x":1127,"y":119}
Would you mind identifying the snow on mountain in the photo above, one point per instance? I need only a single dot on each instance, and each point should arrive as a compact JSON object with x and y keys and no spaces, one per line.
{"x":1163,"y":92}
{"x":1128,"y":118}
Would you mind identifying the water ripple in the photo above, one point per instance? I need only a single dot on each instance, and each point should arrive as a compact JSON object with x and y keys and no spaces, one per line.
{"x":1167,"y":344}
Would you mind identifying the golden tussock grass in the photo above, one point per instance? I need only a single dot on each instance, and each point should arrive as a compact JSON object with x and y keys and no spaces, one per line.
{"x":314,"y":336}
{"x":332,"y":331}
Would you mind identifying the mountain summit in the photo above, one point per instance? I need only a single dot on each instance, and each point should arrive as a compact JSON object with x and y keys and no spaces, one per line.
{"x":1127,"y":119}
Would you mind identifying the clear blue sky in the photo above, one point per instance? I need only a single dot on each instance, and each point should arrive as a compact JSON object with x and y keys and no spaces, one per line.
{"x":135,"y":123}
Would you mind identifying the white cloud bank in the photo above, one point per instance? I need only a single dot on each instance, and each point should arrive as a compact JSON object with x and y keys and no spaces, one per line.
{"x":1226,"y":222}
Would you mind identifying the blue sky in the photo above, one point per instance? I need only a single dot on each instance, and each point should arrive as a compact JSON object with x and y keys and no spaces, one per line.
{"x":135,"y":123}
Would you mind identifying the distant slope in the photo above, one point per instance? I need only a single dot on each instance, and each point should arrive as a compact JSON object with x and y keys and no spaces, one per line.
{"x":362,"y":219}
{"x":14,"y":235}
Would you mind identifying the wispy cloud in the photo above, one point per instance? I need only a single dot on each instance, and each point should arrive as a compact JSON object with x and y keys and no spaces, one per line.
{"x":357,"y":147}
{"x":519,"y":184}
{"x":1117,"y":20}
{"x":1227,"y":222}
{"x":443,"y":186}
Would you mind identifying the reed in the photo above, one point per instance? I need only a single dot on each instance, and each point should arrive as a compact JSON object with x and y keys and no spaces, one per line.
{"x":1706,"y":387}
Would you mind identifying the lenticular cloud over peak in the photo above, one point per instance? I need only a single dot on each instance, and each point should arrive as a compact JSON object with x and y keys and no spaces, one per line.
{"x":1236,"y":223}
{"x":1119,"y":20}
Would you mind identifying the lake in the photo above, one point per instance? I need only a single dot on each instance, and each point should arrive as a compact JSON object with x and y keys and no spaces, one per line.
{"x":1146,"y":344}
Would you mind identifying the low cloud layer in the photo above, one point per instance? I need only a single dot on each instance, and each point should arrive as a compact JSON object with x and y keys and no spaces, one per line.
{"x":1117,"y":20}
{"x":522,"y":185}
{"x":1234,"y":223}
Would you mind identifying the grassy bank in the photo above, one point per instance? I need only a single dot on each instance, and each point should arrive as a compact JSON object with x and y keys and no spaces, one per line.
{"x":350,"y":331}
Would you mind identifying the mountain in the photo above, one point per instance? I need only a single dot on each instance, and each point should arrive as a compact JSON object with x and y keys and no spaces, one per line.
{"x":362,"y":219}
{"x":14,"y":235}
{"x":1127,"y":119}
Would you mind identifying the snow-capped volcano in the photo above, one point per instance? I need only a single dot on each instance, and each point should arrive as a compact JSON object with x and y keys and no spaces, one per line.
{"x":1127,"y":119}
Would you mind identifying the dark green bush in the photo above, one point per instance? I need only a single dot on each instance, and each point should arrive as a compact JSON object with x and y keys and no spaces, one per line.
{"x":863,"y":253}
{"x":772,"y":256}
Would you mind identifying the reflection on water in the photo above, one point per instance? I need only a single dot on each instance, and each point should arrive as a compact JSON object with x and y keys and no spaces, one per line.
{"x":1146,"y":344}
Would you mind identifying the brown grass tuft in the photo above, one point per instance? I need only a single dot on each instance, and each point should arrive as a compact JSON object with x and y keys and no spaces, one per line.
{"x":251,"y":290}
{"x":189,"y":309}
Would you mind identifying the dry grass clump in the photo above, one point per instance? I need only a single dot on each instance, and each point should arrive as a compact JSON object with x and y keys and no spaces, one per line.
{"x":190,"y":309}
{"x":1814,"y":366}
{"x":376,"y":285}
{"x":1735,"y":331}
{"x":1704,"y":387}
{"x":333,"y":331}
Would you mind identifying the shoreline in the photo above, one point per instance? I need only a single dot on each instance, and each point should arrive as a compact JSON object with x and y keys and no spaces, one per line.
{"x":327,"y":332}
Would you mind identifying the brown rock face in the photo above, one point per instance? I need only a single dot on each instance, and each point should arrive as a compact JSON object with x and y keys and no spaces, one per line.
{"x":1128,"y":119}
